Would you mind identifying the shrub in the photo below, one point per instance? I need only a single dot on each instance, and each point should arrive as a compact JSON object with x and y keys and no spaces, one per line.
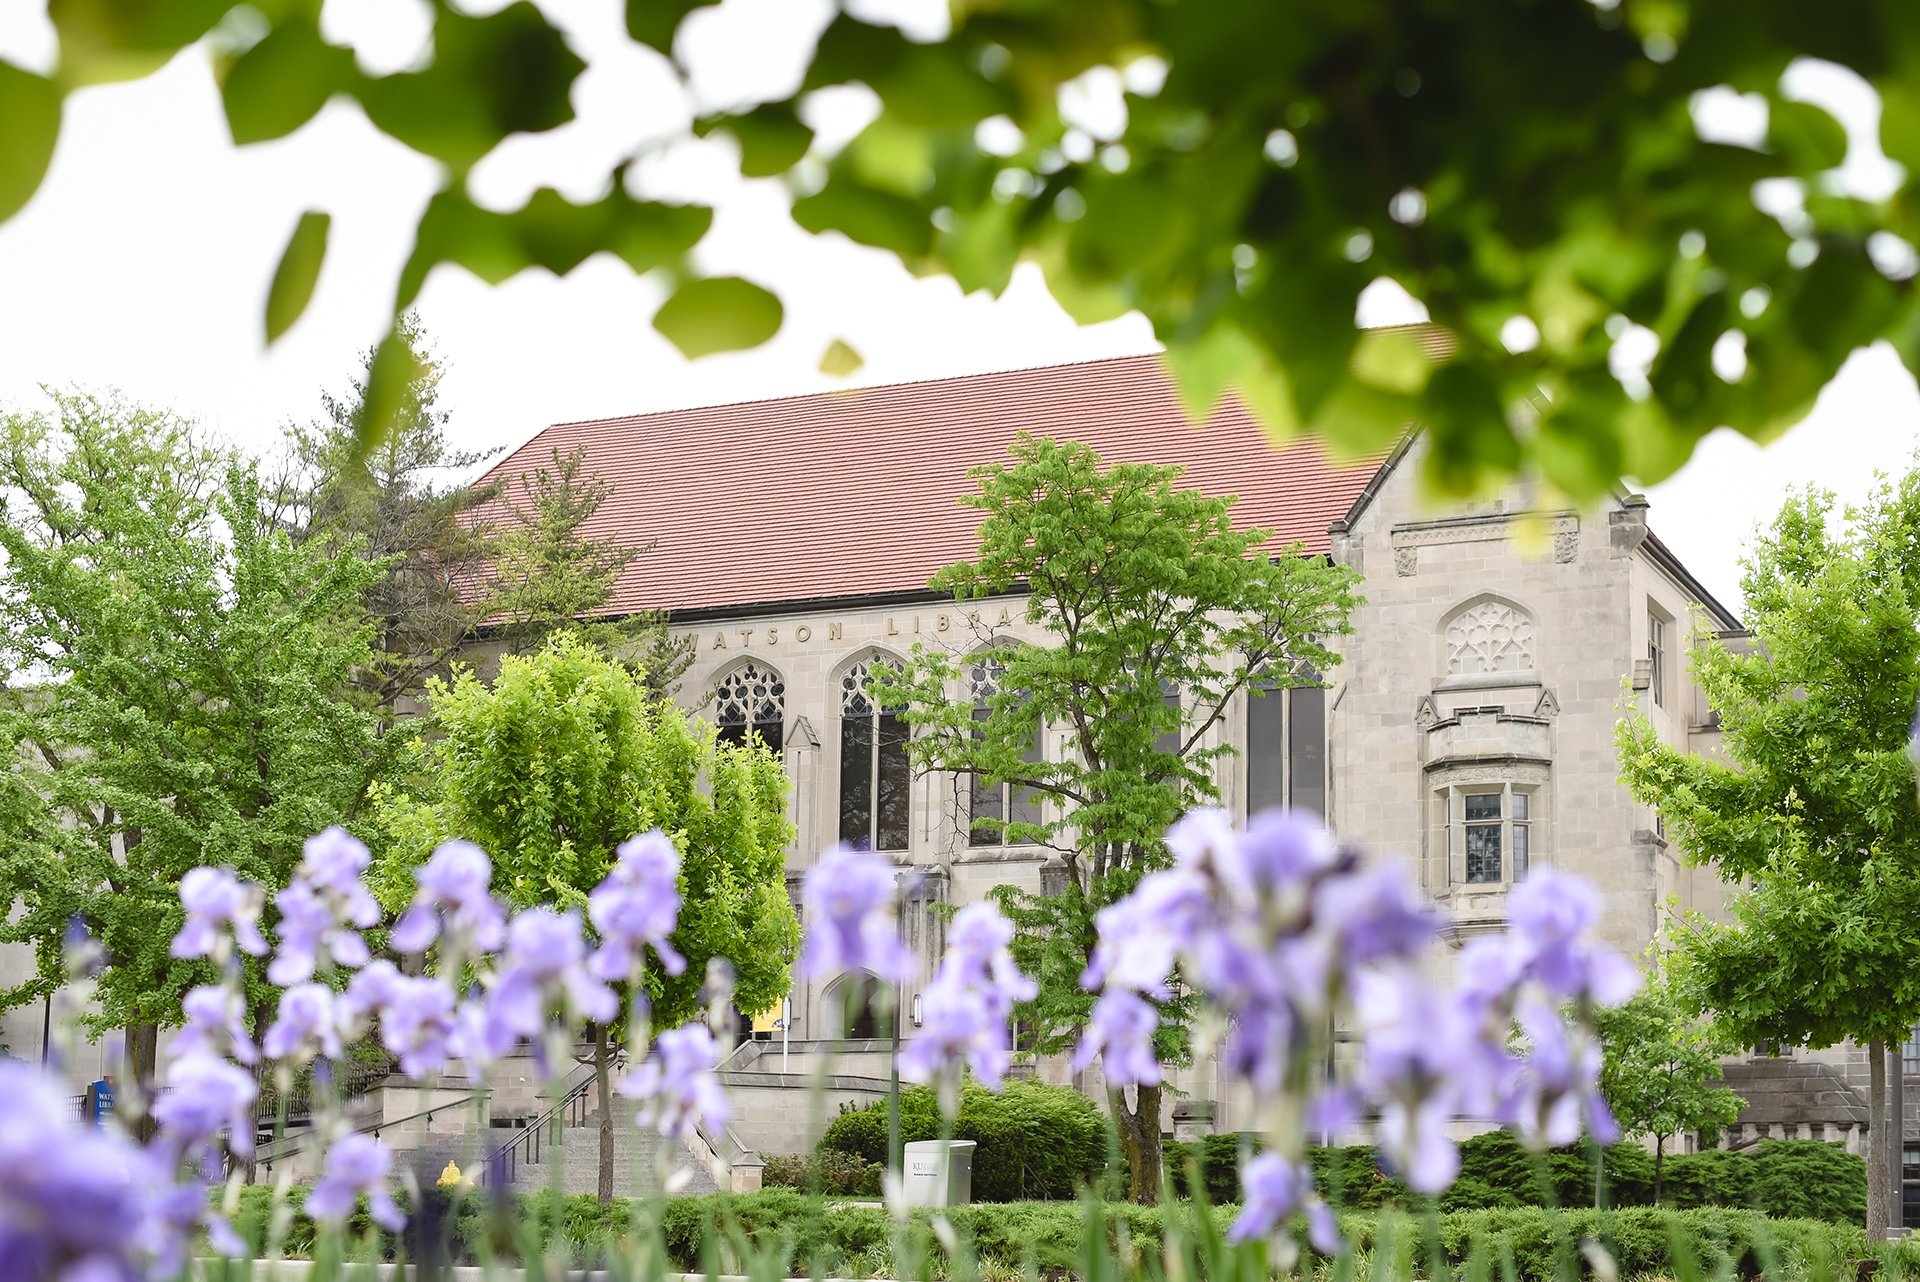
{"x":1793,"y":1179}
{"x":840,"y":1174}
{"x":1035,"y":1141}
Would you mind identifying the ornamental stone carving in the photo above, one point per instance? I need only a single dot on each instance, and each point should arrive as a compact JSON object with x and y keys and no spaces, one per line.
{"x":1490,"y":637}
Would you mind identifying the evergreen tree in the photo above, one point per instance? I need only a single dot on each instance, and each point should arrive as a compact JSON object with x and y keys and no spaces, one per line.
{"x":549,"y":574}
{"x":392,"y":505}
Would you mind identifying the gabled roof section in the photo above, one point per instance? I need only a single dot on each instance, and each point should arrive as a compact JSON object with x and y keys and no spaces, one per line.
{"x":856,"y":493}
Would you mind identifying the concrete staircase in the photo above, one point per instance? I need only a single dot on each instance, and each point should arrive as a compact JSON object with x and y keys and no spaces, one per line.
{"x":580,"y":1152}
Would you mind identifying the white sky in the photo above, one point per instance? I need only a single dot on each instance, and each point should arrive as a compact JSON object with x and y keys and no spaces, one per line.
{"x":143,"y":263}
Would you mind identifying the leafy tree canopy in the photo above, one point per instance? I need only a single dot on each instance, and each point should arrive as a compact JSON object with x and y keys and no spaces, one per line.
{"x":1812,"y":814}
{"x":176,"y":672}
{"x":1662,"y":1060}
{"x":1529,"y":170}
{"x":565,"y":756}
{"x":1162,"y":614}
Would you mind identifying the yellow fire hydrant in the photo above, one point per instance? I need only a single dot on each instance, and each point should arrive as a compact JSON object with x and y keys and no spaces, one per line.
{"x":450,"y":1177}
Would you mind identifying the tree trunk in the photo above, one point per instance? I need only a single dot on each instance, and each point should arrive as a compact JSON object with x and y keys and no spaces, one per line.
{"x":1879,"y":1198}
{"x":600,"y":1075}
{"x":1140,"y":1140}
{"x":1659,"y":1156}
{"x":143,"y":1047}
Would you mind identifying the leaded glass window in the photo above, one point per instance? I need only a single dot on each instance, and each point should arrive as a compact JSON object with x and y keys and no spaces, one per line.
{"x":1483,"y":836}
{"x":751,"y":701}
{"x":875,"y":775}
{"x":1490,"y":637}
{"x":1004,"y":803}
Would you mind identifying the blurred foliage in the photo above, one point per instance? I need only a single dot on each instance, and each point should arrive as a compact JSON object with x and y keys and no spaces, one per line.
{"x":1130,"y":1242}
{"x":1792,"y":1179}
{"x":1236,"y":171}
{"x":1035,"y":1140}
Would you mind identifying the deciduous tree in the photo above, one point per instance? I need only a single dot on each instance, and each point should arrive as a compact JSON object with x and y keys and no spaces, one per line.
{"x":1662,"y":1060}
{"x":565,"y":756}
{"x":177,"y":681}
{"x":1811,"y":817}
{"x":1161,"y":615}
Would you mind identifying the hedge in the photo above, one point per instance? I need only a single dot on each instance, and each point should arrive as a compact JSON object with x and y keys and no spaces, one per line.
{"x":1051,"y":1236}
{"x":1035,"y":1141}
{"x":1797,"y":1179}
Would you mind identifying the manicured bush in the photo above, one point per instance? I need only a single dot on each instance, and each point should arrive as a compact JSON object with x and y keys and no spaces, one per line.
{"x":1035,"y":1141}
{"x":840,"y":1174}
{"x":1795,"y":1179}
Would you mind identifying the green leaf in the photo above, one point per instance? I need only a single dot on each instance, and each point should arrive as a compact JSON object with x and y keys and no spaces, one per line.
{"x":282,"y":82}
{"x":551,"y":232}
{"x":509,"y":72}
{"x":866,"y":215}
{"x":1809,"y":137}
{"x":929,"y":85}
{"x":653,"y":22}
{"x":108,"y":40}
{"x":1391,"y":359}
{"x":299,"y":269}
{"x":772,"y":139}
{"x":840,"y":359}
{"x":30,"y":108}
{"x":718,"y":314}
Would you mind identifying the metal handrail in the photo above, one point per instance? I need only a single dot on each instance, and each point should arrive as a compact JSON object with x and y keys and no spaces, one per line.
{"x":381,"y":1124}
{"x":505,"y":1160}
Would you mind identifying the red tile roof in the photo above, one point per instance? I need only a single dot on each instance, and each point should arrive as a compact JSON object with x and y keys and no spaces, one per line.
{"x":844,"y":494}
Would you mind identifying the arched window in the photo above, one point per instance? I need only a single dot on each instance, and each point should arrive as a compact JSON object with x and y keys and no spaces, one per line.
{"x":860,"y":1017}
{"x":1002,"y":802}
{"x":751,"y":700}
{"x":1490,"y":636}
{"x":1286,"y":747}
{"x":875,"y":777}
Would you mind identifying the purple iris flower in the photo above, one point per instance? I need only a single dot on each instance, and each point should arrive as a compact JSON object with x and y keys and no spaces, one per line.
{"x":78,"y":1203}
{"x":677,"y":1086}
{"x":356,"y":1164}
{"x":307,"y":1025}
{"x":1414,"y":1137}
{"x":1552,"y":915}
{"x":320,"y":907}
{"x":1557,"y":1087}
{"x":455,"y":894}
{"x":851,"y":924}
{"x":1142,"y":935}
{"x":1121,"y":1034}
{"x":1377,"y":914}
{"x":214,"y":897}
{"x":206,"y":1094}
{"x":544,"y":962}
{"x":213,"y":1010}
{"x":637,"y":906}
{"x":965,"y":1010}
{"x":419,"y":1023}
{"x":1275,"y":1189}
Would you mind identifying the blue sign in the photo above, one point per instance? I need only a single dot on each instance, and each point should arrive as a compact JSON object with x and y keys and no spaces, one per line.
{"x":99,"y":1101}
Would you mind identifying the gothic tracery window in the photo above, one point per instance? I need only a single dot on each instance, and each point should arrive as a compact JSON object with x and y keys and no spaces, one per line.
{"x":751,"y":701}
{"x":875,"y":775}
{"x":1490,"y":637}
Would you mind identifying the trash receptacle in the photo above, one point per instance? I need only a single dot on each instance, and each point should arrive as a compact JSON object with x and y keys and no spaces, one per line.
{"x":922,"y":1182}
